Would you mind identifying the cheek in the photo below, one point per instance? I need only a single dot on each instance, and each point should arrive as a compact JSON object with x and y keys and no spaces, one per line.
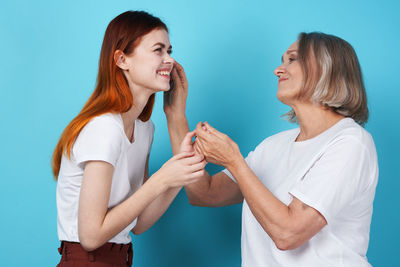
{"x":297,"y":72}
{"x":146,"y":62}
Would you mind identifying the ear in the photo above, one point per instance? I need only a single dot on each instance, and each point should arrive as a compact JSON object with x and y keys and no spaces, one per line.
{"x":120,"y":60}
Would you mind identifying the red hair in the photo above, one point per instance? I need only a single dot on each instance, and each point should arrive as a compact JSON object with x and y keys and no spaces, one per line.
{"x":112,"y":92}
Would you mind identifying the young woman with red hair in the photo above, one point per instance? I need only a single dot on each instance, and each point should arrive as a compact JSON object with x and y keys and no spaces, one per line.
{"x":101,"y":159}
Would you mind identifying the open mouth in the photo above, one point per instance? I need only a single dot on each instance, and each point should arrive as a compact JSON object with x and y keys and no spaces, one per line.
{"x":164,"y":73}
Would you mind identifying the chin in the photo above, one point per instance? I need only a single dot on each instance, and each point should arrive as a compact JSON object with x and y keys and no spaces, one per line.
{"x":282,"y":98}
{"x":161,"y":88}
{"x":165,"y":88}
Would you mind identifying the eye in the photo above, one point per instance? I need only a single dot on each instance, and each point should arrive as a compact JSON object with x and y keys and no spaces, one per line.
{"x":291,"y":59}
{"x":169,"y":52}
{"x":158,"y":50}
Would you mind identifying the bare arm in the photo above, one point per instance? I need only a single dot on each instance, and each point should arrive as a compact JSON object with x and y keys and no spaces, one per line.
{"x":97,"y":224}
{"x":174,"y":108}
{"x":218,"y":190}
{"x":156,"y":208}
{"x":288,"y":226}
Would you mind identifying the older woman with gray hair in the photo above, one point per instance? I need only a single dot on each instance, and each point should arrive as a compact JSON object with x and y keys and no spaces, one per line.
{"x":308,"y":192}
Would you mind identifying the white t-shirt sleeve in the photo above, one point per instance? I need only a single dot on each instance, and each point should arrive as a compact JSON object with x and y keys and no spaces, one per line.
{"x":151,"y":136}
{"x":100,"y":139}
{"x":336,"y":178}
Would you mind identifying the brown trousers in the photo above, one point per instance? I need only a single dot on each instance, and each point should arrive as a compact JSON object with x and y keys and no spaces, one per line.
{"x":108,"y":255}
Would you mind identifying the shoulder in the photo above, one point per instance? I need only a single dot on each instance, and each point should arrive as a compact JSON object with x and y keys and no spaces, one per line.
{"x":107,"y":121}
{"x":272,"y":146}
{"x":279,"y":139}
{"x":353,"y":146}
{"x":352,"y":136}
{"x":101,"y":139}
{"x":102,"y":128}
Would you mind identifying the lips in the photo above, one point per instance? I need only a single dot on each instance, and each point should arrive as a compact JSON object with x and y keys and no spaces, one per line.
{"x":282,"y":79}
{"x":164,"y":73}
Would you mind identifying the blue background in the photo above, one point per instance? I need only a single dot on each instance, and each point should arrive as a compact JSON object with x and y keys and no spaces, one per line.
{"x":49,"y":56}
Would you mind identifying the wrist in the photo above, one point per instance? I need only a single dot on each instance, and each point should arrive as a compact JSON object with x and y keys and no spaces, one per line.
{"x":175,"y":116}
{"x":235,"y":163}
{"x":157,"y":183}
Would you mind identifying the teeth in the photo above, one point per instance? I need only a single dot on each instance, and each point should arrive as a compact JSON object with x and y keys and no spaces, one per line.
{"x":163,"y":72}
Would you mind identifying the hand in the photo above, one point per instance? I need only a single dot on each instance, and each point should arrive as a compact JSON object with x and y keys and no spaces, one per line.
{"x":175,"y":99}
{"x":182,"y":169}
{"x":216,"y":147}
{"x":187,"y":144}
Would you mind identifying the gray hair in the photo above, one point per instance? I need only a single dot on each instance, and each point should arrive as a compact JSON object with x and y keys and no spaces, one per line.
{"x":332,"y":76}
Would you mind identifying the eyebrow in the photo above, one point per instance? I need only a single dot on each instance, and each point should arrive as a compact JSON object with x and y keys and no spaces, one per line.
{"x":288,"y":52}
{"x":162,"y":45}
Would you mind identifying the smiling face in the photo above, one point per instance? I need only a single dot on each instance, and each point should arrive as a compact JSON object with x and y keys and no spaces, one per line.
{"x":290,"y":76}
{"x":150,"y":65}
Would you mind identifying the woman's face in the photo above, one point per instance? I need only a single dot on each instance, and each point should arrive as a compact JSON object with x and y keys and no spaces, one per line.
{"x":150,"y":64}
{"x":290,"y":76}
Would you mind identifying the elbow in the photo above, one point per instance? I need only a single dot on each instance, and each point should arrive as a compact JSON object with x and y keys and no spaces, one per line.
{"x":287,"y":240}
{"x":203,"y":203}
{"x":284,"y":245}
{"x":204,"y":200}
{"x":142,"y":225}
{"x":137,"y":231}
{"x":194,"y":202}
{"x":89,"y":242}
{"x":89,"y":245}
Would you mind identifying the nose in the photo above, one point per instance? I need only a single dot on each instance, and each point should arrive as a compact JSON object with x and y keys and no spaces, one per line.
{"x":168,"y":59}
{"x":279,"y":70}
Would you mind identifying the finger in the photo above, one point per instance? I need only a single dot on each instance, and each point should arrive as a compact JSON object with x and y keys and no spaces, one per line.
{"x":211,"y":129}
{"x":197,"y":148}
{"x":176,"y":77}
{"x":196,"y":151}
{"x":201,"y":147}
{"x":195,"y":176}
{"x":181,"y":74}
{"x":201,"y":156}
{"x":205,"y":128}
{"x":187,"y":140}
{"x":166,"y":96}
{"x":197,"y":167}
{"x":183,"y":155}
{"x":200,"y":131}
{"x":199,"y":125}
{"x":192,"y":160}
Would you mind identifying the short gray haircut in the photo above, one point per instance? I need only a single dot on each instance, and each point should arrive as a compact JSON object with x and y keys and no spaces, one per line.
{"x":332,"y":76}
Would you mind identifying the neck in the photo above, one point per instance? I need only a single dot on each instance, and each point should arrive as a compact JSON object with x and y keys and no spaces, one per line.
{"x":140,"y":98}
{"x":313,"y":120}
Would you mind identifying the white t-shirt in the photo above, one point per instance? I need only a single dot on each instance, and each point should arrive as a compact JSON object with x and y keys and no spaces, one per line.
{"x":336,"y":173}
{"x":103,"y":139}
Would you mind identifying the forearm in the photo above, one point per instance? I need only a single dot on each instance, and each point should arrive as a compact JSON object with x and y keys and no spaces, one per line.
{"x":199,"y":194}
{"x":155,"y":210}
{"x":273,"y":215}
{"x":178,"y":127}
{"x":216,"y":191}
{"x":96,"y":233}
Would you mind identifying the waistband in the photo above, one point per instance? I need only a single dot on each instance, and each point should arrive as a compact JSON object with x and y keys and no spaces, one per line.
{"x":111,"y":253}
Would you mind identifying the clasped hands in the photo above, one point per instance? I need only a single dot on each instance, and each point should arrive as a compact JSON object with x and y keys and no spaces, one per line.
{"x":214,"y":146}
